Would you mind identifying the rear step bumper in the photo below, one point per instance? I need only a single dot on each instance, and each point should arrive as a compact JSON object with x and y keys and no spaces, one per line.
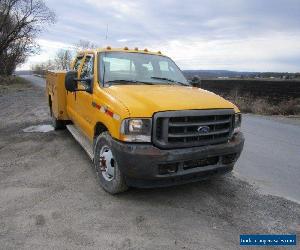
{"x":147,"y":166}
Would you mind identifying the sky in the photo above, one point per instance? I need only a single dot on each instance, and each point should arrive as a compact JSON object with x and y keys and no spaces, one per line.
{"x":242,"y":35}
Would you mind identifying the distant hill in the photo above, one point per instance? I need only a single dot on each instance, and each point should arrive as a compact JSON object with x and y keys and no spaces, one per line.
{"x":238,"y":74}
{"x":217,"y":73}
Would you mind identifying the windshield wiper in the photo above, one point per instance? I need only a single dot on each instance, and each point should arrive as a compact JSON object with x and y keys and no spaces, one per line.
{"x":162,"y":78}
{"x":127,"y":81}
{"x":167,"y":79}
{"x":121,"y":80}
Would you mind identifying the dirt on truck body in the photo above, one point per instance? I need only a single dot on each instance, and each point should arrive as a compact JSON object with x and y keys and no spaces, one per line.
{"x":141,"y":122}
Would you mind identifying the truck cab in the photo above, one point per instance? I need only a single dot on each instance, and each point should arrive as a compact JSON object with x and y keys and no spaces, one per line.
{"x":140,"y":120}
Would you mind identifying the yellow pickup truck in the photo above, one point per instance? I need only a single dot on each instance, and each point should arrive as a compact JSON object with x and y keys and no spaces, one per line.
{"x":140,"y":120}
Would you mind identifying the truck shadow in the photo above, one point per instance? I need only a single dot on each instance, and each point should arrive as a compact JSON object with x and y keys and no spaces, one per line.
{"x":219,"y":185}
{"x":222,"y":192}
{"x":216,"y":200}
{"x":225,"y":201}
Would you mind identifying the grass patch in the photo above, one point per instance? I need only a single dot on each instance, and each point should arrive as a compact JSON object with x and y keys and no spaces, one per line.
{"x":13,"y":83}
{"x":266,"y":107}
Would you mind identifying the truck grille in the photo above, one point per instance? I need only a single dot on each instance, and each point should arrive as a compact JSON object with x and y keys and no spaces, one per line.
{"x":191,"y":128}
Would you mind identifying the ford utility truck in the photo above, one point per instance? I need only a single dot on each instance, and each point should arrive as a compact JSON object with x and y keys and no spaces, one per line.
{"x":141,"y":122}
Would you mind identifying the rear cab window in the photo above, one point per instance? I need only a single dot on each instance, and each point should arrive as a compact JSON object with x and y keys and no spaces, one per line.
{"x":77,"y":62}
{"x":87,"y":69}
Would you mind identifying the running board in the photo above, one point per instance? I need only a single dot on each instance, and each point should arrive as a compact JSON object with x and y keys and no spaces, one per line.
{"x":82,"y":140}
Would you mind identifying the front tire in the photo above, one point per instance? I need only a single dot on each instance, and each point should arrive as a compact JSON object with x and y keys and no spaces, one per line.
{"x":110,"y":177}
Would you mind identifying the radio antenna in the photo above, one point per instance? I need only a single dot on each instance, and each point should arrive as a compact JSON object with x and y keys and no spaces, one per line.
{"x":106,"y":32}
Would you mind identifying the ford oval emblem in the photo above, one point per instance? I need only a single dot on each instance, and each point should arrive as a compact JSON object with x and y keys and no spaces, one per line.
{"x":203,"y":129}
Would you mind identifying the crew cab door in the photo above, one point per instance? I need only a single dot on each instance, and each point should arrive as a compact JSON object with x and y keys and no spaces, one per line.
{"x":84,"y":98}
{"x":72,"y":96}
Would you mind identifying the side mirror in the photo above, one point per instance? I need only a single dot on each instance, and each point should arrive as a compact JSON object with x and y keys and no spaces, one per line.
{"x":88,"y":81}
{"x":195,"y":81}
{"x":87,"y":84}
{"x":70,"y":82}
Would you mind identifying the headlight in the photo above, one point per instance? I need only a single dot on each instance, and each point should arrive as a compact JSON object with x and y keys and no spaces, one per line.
{"x":136,"y":130}
{"x":237,"y":122}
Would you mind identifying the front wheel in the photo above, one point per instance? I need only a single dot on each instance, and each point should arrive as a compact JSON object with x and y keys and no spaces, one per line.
{"x":110,"y":177}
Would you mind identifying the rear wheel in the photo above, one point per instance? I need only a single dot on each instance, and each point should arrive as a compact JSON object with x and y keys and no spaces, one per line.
{"x":110,"y":177}
{"x":57,"y":124}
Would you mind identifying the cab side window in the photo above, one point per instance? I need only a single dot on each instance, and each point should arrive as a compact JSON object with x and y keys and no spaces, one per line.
{"x":77,"y":63}
{"x":88,"y":67}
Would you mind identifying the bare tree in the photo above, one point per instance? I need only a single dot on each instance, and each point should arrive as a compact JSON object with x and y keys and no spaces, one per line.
{"x":63,"y":59}
{"x":42,"y":68}
{"x":85,"y":44}
{"x":20,"y":23}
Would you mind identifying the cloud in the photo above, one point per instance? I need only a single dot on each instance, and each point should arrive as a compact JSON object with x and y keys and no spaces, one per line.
{"x":123,"y":40}
{"x":273,"y":52}
{"x":199,"y":34}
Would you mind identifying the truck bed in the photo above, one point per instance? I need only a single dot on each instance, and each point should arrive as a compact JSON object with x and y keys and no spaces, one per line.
{"x":56,"y":94}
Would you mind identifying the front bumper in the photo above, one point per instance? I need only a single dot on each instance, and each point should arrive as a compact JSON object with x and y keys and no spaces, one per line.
{"x":143,"y":165}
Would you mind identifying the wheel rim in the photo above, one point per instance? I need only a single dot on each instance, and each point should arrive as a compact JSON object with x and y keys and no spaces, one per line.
{"x":107,"y":163}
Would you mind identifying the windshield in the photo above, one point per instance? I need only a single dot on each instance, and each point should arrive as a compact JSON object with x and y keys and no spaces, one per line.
{"x":138,"y":68}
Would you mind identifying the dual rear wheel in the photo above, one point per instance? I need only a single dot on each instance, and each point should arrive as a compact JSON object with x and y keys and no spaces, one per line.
{"x":57,"y":124}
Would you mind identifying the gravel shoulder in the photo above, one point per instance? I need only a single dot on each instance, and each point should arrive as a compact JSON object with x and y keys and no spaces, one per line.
{"x":50,"y":197}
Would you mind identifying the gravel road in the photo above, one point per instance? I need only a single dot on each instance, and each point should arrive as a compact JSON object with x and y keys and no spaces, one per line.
{"x":35,"y":80}
{"x":50,"y":197}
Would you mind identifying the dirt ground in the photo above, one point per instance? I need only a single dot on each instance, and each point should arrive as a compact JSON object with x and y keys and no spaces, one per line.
{"x":50,"y":197}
